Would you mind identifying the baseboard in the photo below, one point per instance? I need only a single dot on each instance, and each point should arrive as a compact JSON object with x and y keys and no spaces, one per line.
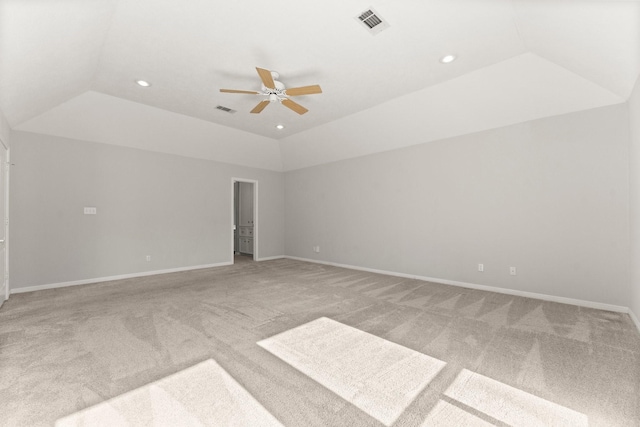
{"x":269,"y":258}
{"x":110,"y":278}
{"x":552,"y":298}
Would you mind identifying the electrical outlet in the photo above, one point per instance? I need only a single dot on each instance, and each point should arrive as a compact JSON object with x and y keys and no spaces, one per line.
{"x":148,"y":257}
{"x":90,"y":211}
{"x":512,"y":271}
{"x":480,"y":267}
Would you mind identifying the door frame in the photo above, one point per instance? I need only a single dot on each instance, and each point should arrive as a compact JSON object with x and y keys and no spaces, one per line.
{"x":255,"y":215}
{"x":4,"y":219}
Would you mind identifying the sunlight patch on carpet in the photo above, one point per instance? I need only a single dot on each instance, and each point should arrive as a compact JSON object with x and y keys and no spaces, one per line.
{"x":202,"y":395}
{"x":444,"y":414}
{"x":509,"y":404}
{"x":377,"y":376}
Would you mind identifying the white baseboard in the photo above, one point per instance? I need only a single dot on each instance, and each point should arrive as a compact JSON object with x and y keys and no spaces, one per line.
{"x":110,"y":278}
{"x":552,"y":298}
{"x":269,"y":258}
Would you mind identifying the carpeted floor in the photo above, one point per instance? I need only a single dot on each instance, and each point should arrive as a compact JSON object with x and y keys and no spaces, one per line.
{"x":312,"y":345}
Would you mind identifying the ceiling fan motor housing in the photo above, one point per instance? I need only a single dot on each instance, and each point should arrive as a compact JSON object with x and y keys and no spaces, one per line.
{"x":276,"y":91}
{"x":279,"y":89}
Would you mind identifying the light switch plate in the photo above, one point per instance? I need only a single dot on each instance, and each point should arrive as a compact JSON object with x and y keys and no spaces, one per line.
{"x":90,"y":211}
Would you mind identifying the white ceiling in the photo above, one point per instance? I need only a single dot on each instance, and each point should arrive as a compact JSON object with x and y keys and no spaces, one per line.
{"x":68,"y":68}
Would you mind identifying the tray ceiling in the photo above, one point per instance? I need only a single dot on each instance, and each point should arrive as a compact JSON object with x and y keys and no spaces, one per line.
{"x":534,"y":55}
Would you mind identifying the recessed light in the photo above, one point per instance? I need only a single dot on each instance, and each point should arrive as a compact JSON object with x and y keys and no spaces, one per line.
{"x":143,"y":83}
{"x":280,"y":127}
{"x":448,"y":58}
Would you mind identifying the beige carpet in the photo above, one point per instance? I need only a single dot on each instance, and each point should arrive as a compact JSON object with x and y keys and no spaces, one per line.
{"x":203,"y":395}
{"x":490,"y":359}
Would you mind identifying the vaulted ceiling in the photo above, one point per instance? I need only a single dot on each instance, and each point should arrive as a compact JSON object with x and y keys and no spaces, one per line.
{"x":68,"y":68}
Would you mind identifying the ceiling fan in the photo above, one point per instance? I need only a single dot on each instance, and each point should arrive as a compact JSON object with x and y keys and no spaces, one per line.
{"x":275,"y":91}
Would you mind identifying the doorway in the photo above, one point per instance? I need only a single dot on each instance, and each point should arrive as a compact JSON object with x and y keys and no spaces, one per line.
{"x":244,"y":219}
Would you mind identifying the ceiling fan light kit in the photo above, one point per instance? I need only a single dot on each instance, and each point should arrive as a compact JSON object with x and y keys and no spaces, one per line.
{"x":275,"y":91}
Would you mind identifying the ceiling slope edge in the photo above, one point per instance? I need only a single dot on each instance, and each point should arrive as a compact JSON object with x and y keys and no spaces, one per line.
{"x":596,"y":39}
{"x":35,"y":108}
{"x":50,"y":54}
{"x":97,"y":117}
{"x":524,"y":88}
{"x":624,"y":95}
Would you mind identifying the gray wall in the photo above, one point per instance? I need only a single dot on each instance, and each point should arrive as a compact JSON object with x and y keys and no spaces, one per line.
{"x":634,"y":158}
{"x":176,"y":209}
{"x":550,"y":197}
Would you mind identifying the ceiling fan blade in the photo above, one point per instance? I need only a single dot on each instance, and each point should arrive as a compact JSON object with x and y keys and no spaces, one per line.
{"x":250,"y":92}
{"x":261,"y":106}
{"x":304,"y":90}
{"x":266,"y":77}
{"x":294,"y":106}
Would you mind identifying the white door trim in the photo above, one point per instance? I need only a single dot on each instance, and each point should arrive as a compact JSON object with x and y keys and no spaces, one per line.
{"x":7,"y":179}
{"x":4,"y":220}
{"x":256,"y":217}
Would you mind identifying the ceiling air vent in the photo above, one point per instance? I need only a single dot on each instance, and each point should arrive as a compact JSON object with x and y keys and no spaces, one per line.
{"x":225,"y":109}
{"x":372,"y":21}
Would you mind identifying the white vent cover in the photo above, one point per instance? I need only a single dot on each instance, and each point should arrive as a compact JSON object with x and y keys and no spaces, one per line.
{"x":225,"y":109}
{"x":372,"y":21}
